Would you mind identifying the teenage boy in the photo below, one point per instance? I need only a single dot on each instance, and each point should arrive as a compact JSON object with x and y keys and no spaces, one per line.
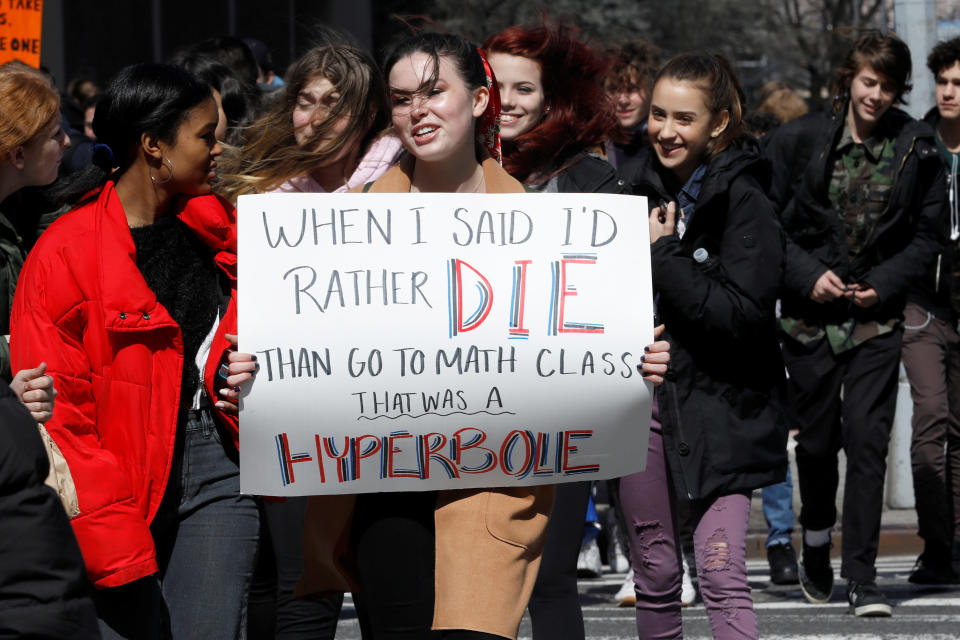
{"x":931,"y":353}
{"x":860,"y":193}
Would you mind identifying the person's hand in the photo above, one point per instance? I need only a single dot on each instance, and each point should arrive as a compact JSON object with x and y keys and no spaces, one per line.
{"x":662,"y":223}
{"x":36,"y":392}
{"x":241,"y":367}
{"x":863,"y":295}
{"x":828,"y":287}
{"x":655,"y":358}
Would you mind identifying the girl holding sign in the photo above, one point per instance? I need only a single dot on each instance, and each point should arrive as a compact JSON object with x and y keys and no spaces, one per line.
{"x":718,"y":428}
{"x":325,"y":135}
{"x":553,"y":134}
{"x":129,"y":299}
{"x":442,"y":111}
{"x":460,"y":562}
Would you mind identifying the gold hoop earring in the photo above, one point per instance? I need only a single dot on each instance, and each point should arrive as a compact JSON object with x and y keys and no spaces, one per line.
{"x":169,"y":165}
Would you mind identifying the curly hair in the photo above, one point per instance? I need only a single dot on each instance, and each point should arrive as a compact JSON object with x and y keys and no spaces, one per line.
{"x":634,"y":65}
{"x":580,"y":115}
{"x":944,"y":55}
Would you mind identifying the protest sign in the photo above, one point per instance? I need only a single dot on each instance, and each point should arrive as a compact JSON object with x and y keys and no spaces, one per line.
{"x":439,"y":341}
{"x":20,"y":26}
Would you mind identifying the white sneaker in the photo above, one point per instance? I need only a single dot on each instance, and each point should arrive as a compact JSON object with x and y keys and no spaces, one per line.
{"x":588,"y":563}
{"x":688,"y":592}
{"x":627,"y":596}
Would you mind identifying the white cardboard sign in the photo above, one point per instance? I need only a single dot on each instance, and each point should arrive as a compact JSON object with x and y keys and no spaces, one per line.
{"x":439,"y":341}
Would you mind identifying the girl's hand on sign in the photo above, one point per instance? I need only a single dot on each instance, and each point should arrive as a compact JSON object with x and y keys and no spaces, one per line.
{"x":655,"y":358}
{"x":235,"y":369}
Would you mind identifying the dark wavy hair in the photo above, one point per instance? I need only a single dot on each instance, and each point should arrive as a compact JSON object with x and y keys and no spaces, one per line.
{"x":437,"y":45}
{"x":943,"y":55}
{"x":143,"y":98}
{"x":886,"y":54}
{"x":580,"y":116}
{"x":721,"y":90}
{"x":239,"y":98}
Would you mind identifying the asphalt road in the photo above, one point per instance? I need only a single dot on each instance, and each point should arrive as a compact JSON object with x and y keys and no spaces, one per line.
{"x":919,"y":613}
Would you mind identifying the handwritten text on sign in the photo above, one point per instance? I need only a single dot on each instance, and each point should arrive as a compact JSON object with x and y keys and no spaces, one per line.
{"x":436,"y":341}
{"x":20,"y":26}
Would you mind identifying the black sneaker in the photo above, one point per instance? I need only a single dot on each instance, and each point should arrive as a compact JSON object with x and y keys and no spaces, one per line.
{"x":867,"y":601}
{"x":816,"y":574}
{"x":933,"y":573}
{"x":783,"y":564}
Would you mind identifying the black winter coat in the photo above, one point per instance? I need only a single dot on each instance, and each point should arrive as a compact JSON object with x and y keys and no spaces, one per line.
{"x":721,"y":404}
{"x":934,"y":290}
{"x":44,"y":591}
{"x":902,"y":246}
{"x":586,"y":173}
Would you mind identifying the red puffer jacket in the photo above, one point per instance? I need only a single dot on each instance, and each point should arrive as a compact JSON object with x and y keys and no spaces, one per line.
{"x":116,"y":357}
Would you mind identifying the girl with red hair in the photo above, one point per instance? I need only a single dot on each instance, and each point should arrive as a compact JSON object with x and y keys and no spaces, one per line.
{"x":554,"y":122}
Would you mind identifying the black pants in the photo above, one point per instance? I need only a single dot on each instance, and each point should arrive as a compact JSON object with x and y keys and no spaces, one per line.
{"x":555,"y":603}
{"x":860,"y":424}
{"x":273,"y":611}
{"x":393,"y":536}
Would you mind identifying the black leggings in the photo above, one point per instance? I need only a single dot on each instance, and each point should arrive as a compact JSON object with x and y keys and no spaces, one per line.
{"x":393,"y":538}
{"x":555,"y":604}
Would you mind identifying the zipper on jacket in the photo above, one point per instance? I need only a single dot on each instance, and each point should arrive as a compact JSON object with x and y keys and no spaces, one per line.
{"x":680,"y":436}
{"x":893,"y":189}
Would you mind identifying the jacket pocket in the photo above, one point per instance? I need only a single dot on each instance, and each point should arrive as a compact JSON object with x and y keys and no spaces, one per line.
{"x":749,"y":434}
{"x":519,"y":515}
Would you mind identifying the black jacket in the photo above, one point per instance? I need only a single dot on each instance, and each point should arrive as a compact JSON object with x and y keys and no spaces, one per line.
{"x":902,"y":246}
{"x":934,"y":290}
{"x":586,"y":173}
{"x":721,"y":405}
{"x":44,"y":591}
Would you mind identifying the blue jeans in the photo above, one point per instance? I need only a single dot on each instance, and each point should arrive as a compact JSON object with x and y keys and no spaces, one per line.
{"x":778,"y":510}
{"x":206,"y":538}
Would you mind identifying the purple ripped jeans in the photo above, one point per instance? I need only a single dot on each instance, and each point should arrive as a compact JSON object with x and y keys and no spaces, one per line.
{"x":719,"y":538}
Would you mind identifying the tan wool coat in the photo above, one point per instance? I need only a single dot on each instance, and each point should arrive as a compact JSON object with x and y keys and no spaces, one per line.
{"x":488,"y":541}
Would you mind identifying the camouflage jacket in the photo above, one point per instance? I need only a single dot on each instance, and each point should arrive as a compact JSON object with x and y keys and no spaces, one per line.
{"x":892,"y":256}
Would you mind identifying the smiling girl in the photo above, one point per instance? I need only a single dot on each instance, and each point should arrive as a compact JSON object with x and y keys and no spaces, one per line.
{"x":128,"y":299}
{"x":553,"y":131}
{"x":468,"y":558}
{"x":717,"y":432}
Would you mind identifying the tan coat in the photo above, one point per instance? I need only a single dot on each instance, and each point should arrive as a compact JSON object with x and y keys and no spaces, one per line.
{"x":488,"y":541}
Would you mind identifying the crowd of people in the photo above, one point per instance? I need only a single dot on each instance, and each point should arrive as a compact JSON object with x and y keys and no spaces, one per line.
{"x":799,"y":251}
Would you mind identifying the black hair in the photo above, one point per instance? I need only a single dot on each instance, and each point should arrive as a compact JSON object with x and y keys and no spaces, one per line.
{"x":464,"y":55}
{"x":239,"y":98}
{"x":943,"y":55}
{"x":760,"y":123}
{"x":142,"y":98}
{"x":230,"y":52}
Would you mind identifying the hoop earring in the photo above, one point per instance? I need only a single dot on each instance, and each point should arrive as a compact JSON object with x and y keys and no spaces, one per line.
{"x":169,"y":165}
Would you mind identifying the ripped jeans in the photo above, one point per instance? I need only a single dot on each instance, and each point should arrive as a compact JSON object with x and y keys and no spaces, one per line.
{"x":720,"y":533}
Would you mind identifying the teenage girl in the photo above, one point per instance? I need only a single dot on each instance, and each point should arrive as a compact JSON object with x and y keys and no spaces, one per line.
{"x":129,"y":299}
{"x":718,"y":431}
{"x":556,"y":118}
